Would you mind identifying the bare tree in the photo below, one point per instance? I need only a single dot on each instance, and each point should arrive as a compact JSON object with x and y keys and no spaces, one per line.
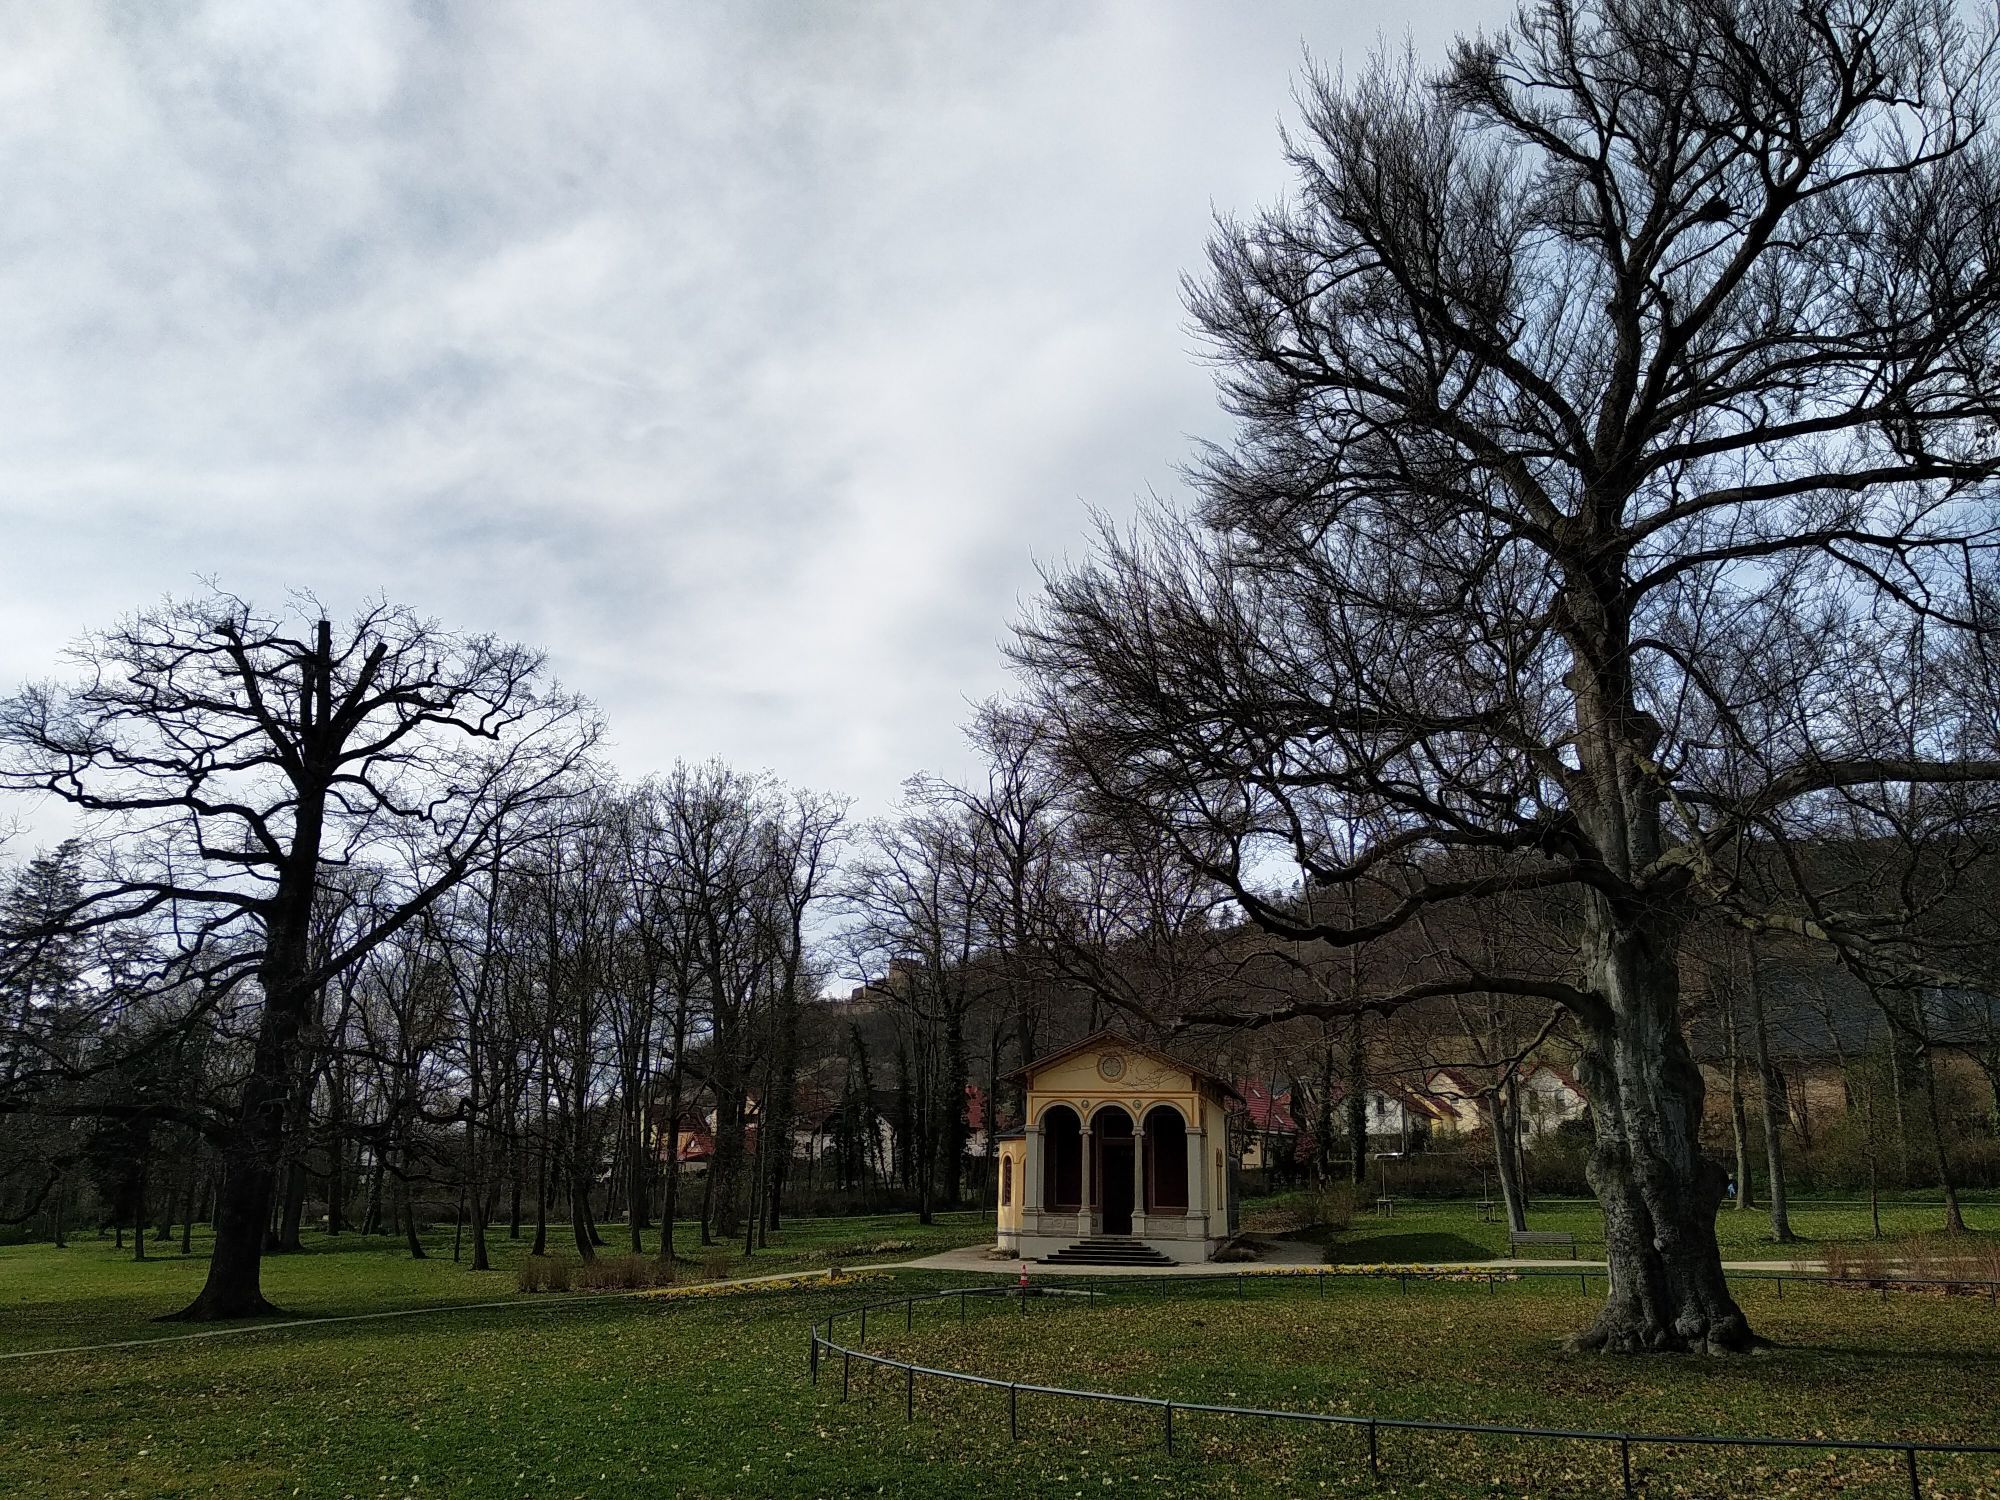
{"x":916,"y":894}
{"x":230,"y":759}
{"x":1599,"y":398}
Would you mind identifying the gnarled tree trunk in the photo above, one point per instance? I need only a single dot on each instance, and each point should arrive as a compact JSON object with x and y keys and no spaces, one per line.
{"x":1658,"y":1192}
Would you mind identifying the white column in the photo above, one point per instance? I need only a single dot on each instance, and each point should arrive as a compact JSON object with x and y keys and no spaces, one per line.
{"x":1085,"y":1224}
{"x":1031,"y":1181}
{"x":1197,"y":1183}
{"x":1139,"y":1183}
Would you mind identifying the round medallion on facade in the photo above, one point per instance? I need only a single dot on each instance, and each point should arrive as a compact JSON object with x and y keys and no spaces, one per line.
{"x":1111,"y":1067}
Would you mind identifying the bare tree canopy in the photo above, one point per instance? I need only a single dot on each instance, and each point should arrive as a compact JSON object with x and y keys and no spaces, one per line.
{"x":233,"y":767}
{"x":1613,"y":483}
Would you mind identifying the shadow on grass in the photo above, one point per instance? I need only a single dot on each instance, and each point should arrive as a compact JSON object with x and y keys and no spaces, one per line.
{"x":1419,"y":1245}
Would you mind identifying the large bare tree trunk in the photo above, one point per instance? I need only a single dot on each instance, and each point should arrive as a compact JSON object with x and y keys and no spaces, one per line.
{"x":1658,"y":1192}
{"x":251,"y":1151}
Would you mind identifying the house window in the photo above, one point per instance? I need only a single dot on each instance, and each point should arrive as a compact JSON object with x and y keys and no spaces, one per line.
{"x":1006,"y":1181}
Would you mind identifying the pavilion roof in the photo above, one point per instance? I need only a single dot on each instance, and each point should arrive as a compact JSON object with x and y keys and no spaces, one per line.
{"x":1104,"y":1036}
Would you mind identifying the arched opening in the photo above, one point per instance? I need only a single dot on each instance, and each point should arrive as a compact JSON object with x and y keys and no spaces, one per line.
{"x":1006,"y":1180}
{"x":1062,"y":1159}
{"x":1166,"y":1161}
{"x":1117,"y":1168}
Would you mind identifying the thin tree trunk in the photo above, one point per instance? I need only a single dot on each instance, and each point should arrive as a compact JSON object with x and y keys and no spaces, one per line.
{"x":371,"y":1218}
{"x":294,"y":1207}
{"x":1954,"y":1215}
{"x":1896,"y":1099}
{"x":1357,"y":1104}
{"x":670,"y":1206}
{"x":139,"y":1207}
{"x":514,"y":1175}
{"x":1874,"y":1175}
{"x":1739,"y":1124}
{"x":1506,"y":1116}
{"x":1774,"y":1115}
{"x":408,"y":1203}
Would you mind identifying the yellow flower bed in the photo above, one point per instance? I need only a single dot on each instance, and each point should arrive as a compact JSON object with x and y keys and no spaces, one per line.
{"x":781,"y":1284}
{"x":1384,"y":1268}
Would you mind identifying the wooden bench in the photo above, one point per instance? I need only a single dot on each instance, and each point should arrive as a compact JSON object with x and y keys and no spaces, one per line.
{"x":1516,"y":1238}
{"x":1385,"y":1208}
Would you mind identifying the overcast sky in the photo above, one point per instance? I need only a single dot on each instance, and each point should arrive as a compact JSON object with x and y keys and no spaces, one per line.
{"x":746,"y":357}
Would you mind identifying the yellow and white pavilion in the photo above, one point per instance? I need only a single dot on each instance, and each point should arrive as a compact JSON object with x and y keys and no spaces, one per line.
{"x":1120,"y":1142}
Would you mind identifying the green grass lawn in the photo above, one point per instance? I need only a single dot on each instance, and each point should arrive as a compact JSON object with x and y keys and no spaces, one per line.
{"x":92,"y":1293}
{"x":707,"y":1394}
{"x":1922,"y":1367}
{"x":1452,"y":1230}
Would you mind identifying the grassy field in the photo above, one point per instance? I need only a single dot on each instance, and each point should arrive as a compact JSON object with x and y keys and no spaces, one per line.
{"x":1452,"y":1230}
{"x":1845,"y":1365}
{"x":704,"y":1392}
{"x":92,"y":1293}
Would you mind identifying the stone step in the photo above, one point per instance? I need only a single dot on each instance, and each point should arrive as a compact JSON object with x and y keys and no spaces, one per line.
{"x":1108,"y":1250}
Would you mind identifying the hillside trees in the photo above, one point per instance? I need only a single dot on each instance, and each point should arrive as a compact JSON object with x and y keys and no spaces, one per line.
{"x":1600,"y":401}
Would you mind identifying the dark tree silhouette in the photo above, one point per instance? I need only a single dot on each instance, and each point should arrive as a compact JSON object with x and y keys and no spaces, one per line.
{"x":1600,"y":400}
{"x":227,"y":761}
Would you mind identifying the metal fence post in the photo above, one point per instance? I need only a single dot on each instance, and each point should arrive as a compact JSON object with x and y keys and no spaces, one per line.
{"x":909,"y":1393}
{"x":1014,"y":1411}
{"x":1625,"y":1464}
{"x":1374,"y":1460}
{"x":813,"y":1358}
{"x":846,"y":1370}
{"x":1910,"y":1462}
{"x":862,"y":1342}
{"x":1170,"y":1426}
{"x":1781,"y":1289}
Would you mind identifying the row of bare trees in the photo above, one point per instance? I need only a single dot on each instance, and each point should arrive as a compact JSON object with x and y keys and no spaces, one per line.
{"x":354,"y":918}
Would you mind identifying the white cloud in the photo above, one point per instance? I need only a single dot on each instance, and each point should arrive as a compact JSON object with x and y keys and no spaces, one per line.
{"x":744,"y":357}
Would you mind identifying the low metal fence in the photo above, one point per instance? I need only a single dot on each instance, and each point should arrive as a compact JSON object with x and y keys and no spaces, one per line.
{"x":825,"y":1345}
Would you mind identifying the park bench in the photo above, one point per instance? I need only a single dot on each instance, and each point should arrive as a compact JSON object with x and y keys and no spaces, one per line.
{"x":1516,"y":1238}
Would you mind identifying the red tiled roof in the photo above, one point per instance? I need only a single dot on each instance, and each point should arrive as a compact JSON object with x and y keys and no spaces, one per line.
{"x":1268,"y":1110}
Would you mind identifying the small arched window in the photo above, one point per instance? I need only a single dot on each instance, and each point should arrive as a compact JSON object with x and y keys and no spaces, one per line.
{"x":1006,"y":1181}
